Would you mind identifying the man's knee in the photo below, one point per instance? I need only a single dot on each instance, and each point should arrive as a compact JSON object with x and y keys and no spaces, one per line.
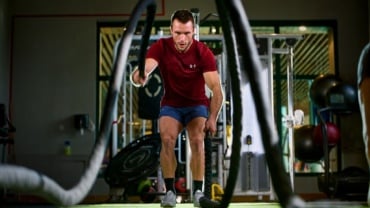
{"x":196,"y":146}
{"x":168,"y":142}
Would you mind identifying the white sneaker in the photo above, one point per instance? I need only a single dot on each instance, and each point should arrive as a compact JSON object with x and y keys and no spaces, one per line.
{"x":197,"y":195}
{"x":169,"y":200}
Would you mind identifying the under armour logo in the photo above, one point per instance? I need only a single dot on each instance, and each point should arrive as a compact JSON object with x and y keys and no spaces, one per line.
{"x":192,"y":66}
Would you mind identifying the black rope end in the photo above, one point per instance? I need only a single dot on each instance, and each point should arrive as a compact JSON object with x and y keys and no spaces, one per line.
{"x":208,"y":203}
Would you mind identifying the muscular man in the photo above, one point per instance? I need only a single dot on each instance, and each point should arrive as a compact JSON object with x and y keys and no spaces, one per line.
{"x":186,"y":66}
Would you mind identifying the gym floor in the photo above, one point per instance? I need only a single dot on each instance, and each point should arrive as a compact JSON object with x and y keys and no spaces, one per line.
{"x":316,"y":204}
{"x":132,"y":202}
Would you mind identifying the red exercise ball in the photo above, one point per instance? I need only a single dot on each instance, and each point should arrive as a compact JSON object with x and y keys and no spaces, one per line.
{"x":333,"y":134}
{"x":180,"y":185}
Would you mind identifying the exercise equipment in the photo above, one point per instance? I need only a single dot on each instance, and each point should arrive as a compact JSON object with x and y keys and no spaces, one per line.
{"x":332,"y":132}
{"x":146,"y":191}
{"x":136,"y":161}
{"x":216,"y":192}
{"x":343,"y":96}
{"x":290,"y":104}
{"x":266,"y":48}
{"x":143,"y":184}
{"x":148,"y":194}
{"x":325,"y":143}
{"x":238,"y":38}
{"x":320,"y":87}
{"x":207,"y":167}
{"x":180,"y":185}
{"x":340,"y":99}
{"x":349,"y":184}
{"x":305,"y":147}
{"x":150,"y":97}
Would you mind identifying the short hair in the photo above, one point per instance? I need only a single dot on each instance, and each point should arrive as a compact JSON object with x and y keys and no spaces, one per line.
{"x":182,"y":15}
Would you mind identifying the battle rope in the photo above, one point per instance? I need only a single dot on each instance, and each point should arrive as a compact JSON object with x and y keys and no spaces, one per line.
{"x":28,"y":180}
{"x":208,"y":165}
{"x":234,"y":71}
{"x":232,"y":16}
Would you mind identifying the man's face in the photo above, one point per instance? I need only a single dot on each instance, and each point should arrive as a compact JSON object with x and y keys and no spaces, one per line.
{"x":182,"y":34}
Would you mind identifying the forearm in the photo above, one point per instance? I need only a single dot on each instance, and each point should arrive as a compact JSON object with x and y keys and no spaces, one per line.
{"x":136,"y":79}
{"x":217,"y":100}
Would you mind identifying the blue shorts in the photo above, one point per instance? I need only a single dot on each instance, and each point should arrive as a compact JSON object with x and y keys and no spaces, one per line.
{"x":186,"y":114}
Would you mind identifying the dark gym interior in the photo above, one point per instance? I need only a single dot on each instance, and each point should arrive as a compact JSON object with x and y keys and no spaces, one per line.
{"x":56,"y":60}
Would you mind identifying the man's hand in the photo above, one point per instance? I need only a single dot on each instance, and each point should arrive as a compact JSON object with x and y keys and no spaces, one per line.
{"x":136,"y":79}
{"x":211,"y":126}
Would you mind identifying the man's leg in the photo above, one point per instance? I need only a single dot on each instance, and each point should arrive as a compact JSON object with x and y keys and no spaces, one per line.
{"x":196,"y":134}
{"x":169,"y":129}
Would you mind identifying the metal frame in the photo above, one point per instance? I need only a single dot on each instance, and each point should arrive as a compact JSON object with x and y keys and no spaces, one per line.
{"x":290,"y":40}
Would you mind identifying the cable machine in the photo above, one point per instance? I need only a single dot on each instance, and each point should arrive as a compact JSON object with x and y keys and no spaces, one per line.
{"x":254,"y":177}
{"x":293,"y":117}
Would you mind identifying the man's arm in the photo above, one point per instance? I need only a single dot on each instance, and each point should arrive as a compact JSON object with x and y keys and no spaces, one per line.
{"x":213,"y":82}
{"x":150,"y":65}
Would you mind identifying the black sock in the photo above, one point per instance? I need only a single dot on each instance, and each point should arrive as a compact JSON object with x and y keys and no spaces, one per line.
{"x":169,"y":182}
{"x":197,"y":185}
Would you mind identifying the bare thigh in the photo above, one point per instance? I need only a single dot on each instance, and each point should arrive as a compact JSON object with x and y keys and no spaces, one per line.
{"x":196,"y":127}
{"x":169,"y":127}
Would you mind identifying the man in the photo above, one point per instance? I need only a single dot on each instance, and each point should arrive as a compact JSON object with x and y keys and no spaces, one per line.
{"x":363,"y":81}
{"x":186,"y":65}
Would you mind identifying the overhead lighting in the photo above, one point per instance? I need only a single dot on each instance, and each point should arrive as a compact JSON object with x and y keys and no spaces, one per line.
{"x":302,"y":28}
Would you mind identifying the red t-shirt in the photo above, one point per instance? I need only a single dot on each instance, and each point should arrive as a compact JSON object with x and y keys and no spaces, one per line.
{"x":182,"y":73}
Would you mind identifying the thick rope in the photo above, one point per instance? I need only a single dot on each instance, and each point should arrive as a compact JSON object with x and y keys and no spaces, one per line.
{"x":232,"y":16}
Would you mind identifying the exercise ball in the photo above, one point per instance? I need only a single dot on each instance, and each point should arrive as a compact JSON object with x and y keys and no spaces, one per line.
{"x":343,"y":95}
{"x":306,"y":150}
{"x":148,"y":195}
{"x":320,"y":87}
{"x":146,"y":191}
{"x":180,"y":185}
{"x":332,"y":132}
